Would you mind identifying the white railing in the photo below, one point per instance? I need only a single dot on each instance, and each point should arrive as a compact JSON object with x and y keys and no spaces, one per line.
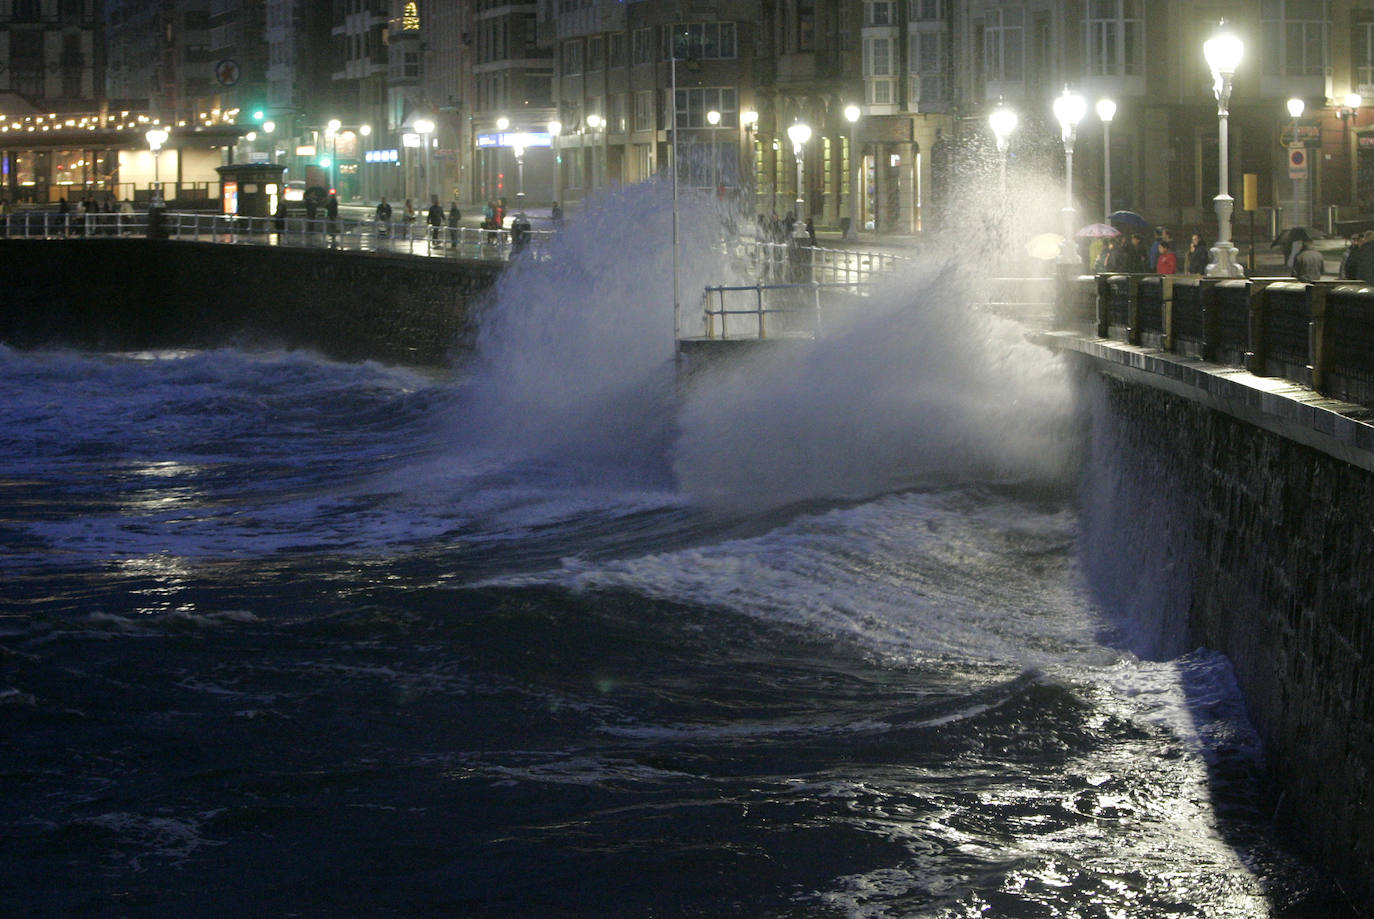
{"x":787,"y":263}
{"x":344,"y":234}
{"x":768,"y":310}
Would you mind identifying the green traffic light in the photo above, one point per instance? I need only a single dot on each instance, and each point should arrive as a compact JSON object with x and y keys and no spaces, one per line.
{"x":258,"y":114}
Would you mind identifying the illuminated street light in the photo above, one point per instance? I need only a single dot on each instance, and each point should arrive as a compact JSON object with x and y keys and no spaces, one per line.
{"x":555,"y":130}
{"x":1003,"y":122}
{"x":1223,"y":52}
{"x":1069,"y":109}
{"x":156,"y":138}
{"x":1295,"y":109}
{"x":852,"y":113}
{"x":799,"y":134}
{"x":1106,"y":111}
{"x":713,"y":119}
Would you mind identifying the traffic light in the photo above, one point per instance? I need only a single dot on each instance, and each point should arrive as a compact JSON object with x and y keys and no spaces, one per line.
{"x":258,"y":113}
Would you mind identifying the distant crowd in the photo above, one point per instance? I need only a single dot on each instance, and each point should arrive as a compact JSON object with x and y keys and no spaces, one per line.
{"x":1128,"y":253}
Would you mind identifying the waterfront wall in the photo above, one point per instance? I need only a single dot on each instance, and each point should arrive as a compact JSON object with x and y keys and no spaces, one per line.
{"x":1278,"y":489}
{"x":134,"y":294}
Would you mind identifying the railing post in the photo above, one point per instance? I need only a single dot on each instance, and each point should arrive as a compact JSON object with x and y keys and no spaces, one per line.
{"x":1317,"y":343}
{"x":1133,"y":309}
{"x":710,"y":317}
{"x":1208,"y":295}
{"x":816,"y":291}
{"x":758,"y":305}
{"x":1256,"y":358}
{"x":1166,"y":311}
{"x":1103,"y":313}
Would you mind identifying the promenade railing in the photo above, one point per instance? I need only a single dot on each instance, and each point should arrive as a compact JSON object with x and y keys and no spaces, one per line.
{"x":399,"y":237}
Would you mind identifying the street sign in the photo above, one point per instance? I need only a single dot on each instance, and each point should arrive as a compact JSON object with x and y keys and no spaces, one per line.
{"x":1297,"y":163}
{"x":227,"y":72}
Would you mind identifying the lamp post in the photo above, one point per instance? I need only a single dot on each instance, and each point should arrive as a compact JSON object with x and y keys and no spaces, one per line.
{"x":424,"y":127}
{"x":519,"y":152}
{"x":556,"y":129}
{"x":1106,"y":111}
{"x":1295,"y":109}
{"x":749,"y":120}
{"x":799,"y":134}
{"x":852,"y":114}
{"x":1003,"y":123}
{"x":156,"y":138}
{"x":1069,"y":109}
{"x":595,"y":122}
{"x":331,"y":131}
{"x":713,"y":119}
{"x":364,"y":186}
{"x":1223,"y":52}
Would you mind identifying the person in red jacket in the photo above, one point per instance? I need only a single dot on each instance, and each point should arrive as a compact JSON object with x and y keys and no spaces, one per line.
{"x":1168,"y":262}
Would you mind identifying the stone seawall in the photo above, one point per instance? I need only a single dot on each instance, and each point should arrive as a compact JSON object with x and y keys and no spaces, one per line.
{"x":131,"y":294}
{"x":1282,"y":498}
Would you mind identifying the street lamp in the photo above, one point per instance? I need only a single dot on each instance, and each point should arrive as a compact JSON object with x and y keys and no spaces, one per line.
{"x":156,"y":138}
{"x":1223,"y":52}
{"x":1069,"y":109}
{"x":852,"y":114}
{"x":799,"y":134}
{"x":424,"y":127}
{"x":713,"y":119}
{"x":556,"y":129}
{"x":1106,"y":111}
{"x":1295,"y":109}
{"x":1003,"y":123}
{"x":749,"y":120}
{"x":331,"y":131}
{"x":519,"y":152}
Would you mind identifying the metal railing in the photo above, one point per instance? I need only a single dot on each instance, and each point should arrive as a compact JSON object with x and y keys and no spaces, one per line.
{"x":774,"y":262}
{"x":796,"y":308}
{"x":399,"y":237}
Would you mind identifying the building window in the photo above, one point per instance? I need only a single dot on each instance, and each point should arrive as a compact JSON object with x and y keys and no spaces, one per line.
{"x":1294,"y":37}
{"x":806,"y":25}
{"x":1114,"y":33}
{"x":617,"y":48}
{"x":1364,"y":57}
{"x":596,"y":54}
{"x":843,"y":26}
{"x":827,"y":169}
{"x":702,"y":41}
{"x":693,"y":104}
{"x":644,"y":110}
{"x":927,"y":63}
{"x":925,"y":10}
{"x":1002,"y":35}
{"x":879,"y":13}
{"x":572,"y":57}
{"x":644,"y":46}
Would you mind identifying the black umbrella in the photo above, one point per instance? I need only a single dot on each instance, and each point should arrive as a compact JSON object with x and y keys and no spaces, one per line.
{"x":1130,"y":218}
{"x":1287,"y":237}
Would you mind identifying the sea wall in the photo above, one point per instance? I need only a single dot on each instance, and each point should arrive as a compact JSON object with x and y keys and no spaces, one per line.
{"x":1280,"y":492}
{"x":134,"y":294}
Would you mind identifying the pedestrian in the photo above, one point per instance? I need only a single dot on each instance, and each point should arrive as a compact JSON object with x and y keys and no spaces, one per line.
{"x":126,"y":216}
{"x":280,"y":216}
{"x":331,"y":213}
{"x":408,"y":215}
{"x":1162,"y":235}
{"x":383,"y":217}
{"x":435,"y":219}
{"x":1165,"y":260}
{"x":519,"y":232}
{"x":811,"y":232}
{"x":1103,"y":261}
{"x":1346,"y":270}
{"x":1308,"y":264}
{"x":1361,"y":267}
{"x":455,"y":218}
{"x":556,"y":215}
{"x":312,"y":213}
{"x":1197,"y":255}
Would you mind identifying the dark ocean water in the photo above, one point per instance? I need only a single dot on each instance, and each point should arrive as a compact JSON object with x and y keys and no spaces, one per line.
{"x":544,"y":638}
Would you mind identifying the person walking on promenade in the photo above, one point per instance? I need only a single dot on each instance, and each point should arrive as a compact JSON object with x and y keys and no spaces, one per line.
{"x":1361,"y":267}
{"x":1105,"y":254}
{"x":1308,"y":264}
{"x":408,"y":215}
{"x":1346,"y":270}
{"x":455,"y":218}
{"x":280,"y":217}
{"x":1165,"y":260}
{"x":435,"y":219}
{"x":331,"y":213}
{"x":383,"y":217}
{"x":1197,"y":255}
